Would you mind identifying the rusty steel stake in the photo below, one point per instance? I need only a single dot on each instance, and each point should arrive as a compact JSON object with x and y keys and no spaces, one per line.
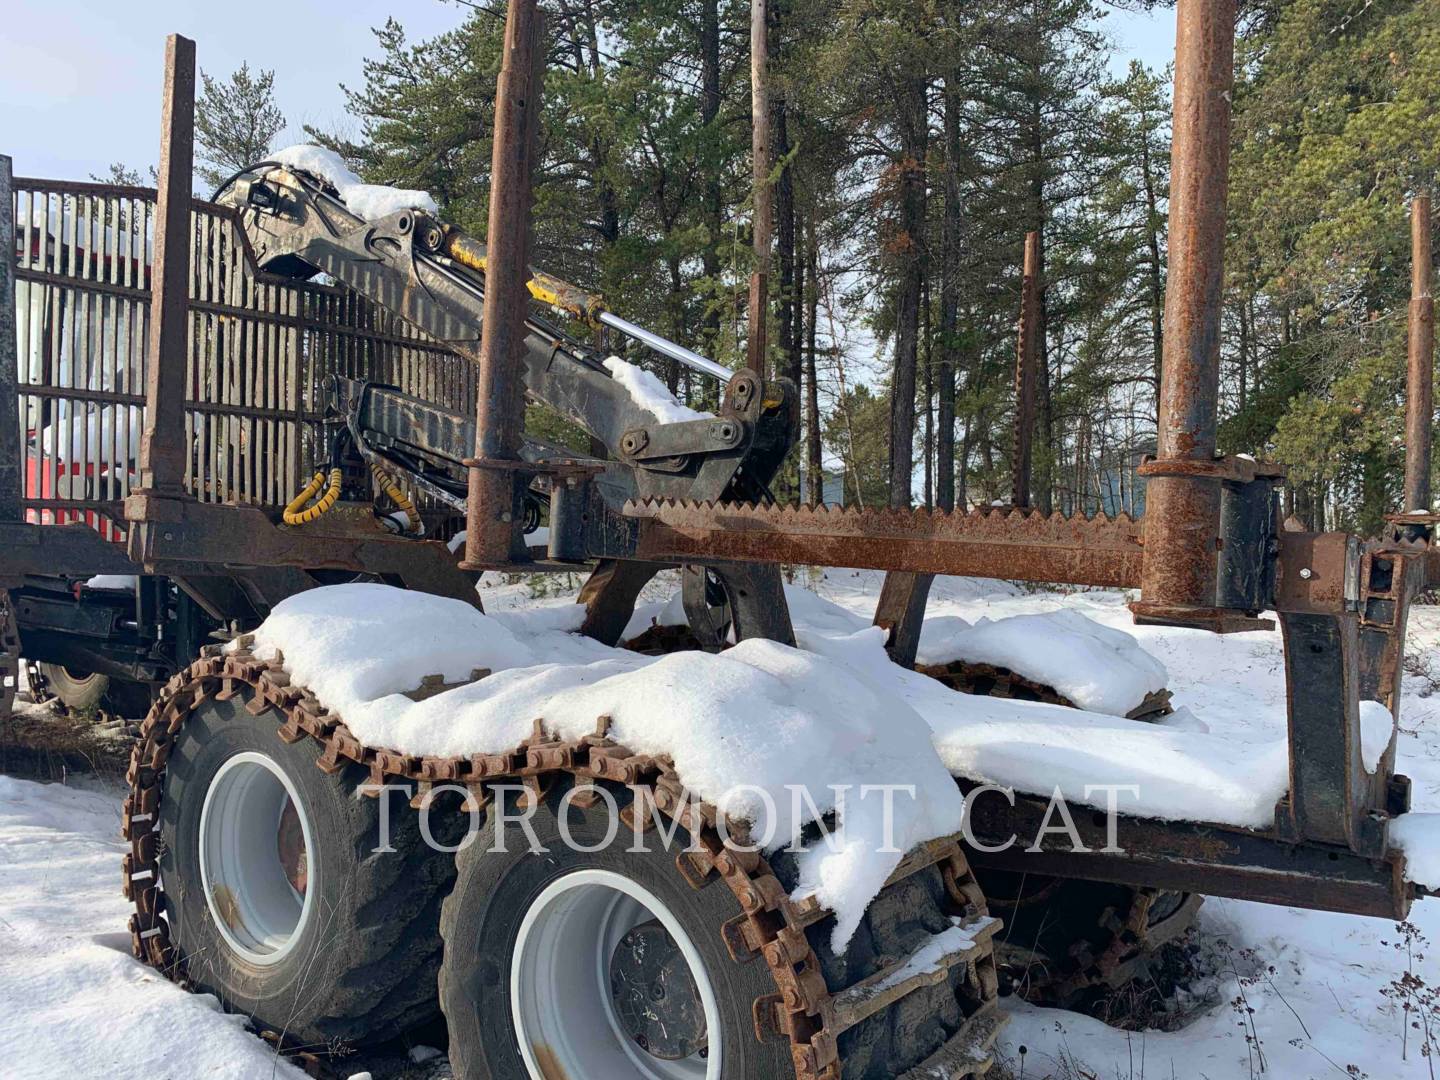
{"x":1182,"y":501}
{"x":1027,"y":358}
{"x":162,"y":445}
{"x":493,"y":516}
{"x":1420,"y":374}
{"x":12,"y":451}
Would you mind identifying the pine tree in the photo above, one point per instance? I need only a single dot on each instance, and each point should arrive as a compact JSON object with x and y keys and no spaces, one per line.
{"x":1337,"y":125}
{"x":236,"y":121}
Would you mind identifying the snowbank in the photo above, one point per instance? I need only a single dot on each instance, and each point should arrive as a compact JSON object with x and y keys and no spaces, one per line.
{"x":650,"y":393}
{"x":73,"y":1001}
{"x":940,"y":636}
{"x":1099,"y":668}
{"x":369,"y":201}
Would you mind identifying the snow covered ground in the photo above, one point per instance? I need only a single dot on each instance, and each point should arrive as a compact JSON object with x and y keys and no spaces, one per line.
{"x":73,"y":1002}
{"x":1315,"y":981}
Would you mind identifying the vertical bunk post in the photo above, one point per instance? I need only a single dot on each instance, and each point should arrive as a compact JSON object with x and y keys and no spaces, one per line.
{"x":1182,"y":498}
{"x":11,"y":450}
{"x":162,"y":446}
{"x":494,"y":512}
{"x":1420,"y":370}
{"x":1027,"y":362}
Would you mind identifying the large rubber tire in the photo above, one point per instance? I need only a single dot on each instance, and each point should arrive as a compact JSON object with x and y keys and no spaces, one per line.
{"x":1057,"y":928}
{"x":493,"y":891}
{"x":78,"y":691}
{"x":900,"y":920}
{"x":364,"y":965}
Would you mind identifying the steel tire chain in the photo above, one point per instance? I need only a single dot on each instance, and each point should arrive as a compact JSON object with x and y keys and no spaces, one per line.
{"x":1132,"y":939}
{"x":40,"y":692}
{"x":963,"y":677}
{"x":770,"y":925}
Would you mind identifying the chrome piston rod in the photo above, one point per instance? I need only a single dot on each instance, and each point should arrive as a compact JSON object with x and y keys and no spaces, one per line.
{"x":692,"y":360}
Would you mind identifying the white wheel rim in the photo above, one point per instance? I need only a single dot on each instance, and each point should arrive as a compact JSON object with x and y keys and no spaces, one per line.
{"x":257,"y":910}
{"x":560,"y":983}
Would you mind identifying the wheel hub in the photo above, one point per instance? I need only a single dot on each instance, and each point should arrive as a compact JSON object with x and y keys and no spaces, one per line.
{"x":606,"y":983}
{"x":290,"y":846}
{"x":254,"y":865}
{"x":656,"y":999}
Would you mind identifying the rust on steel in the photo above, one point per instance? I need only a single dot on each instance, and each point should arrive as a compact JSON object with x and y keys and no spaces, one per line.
{"x":1182,"y":512}
{"x":11,"y":452}
{"x":493,"y":535}
{"x":162,"y":447}
{"x":1027,"y":359}
{"x":770,"y":926}
{"x":1420,"y":372}
{"x":1016,"y":544}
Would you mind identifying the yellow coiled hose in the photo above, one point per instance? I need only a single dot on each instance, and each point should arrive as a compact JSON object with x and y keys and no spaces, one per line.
{"x":395,"y":495}
{"x":298,"y":513}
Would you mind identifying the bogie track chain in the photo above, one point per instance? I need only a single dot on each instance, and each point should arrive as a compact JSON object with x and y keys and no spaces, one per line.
{"x":770,"y":925}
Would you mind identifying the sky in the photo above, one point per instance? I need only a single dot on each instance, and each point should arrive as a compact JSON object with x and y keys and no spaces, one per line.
{"x":80,"y":79}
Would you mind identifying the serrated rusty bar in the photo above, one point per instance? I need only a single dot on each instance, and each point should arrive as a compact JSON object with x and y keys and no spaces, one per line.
{"x":1018,"y":545}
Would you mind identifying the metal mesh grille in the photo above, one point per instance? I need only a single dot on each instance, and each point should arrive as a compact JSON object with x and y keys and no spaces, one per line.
{"x":259,"y":348}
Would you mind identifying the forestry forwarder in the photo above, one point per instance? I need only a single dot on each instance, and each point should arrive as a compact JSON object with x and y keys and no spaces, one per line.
{"x":545,"y":960}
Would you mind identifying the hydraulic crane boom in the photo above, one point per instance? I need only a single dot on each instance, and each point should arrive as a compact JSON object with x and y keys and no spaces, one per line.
{"x":433,"y":275}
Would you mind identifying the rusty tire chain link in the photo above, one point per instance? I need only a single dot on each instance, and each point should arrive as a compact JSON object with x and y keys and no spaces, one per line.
{"x":42,"y":693}
{"x":1132,"y":940}
{"x":770,"y":925}
{"x":991,"y":680}
{"x":38,"y":685}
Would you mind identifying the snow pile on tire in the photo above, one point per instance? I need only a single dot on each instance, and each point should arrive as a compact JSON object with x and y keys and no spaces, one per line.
{"x":749,"y":730}
{"x":1099,"y":668}
{"x":746,"y":727}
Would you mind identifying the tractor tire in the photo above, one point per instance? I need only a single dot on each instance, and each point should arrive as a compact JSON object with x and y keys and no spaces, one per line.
{"x":1065,"y":937}
{"x":611,"y":964}
{"x":277,"y":900}
{"x":80,"y":692}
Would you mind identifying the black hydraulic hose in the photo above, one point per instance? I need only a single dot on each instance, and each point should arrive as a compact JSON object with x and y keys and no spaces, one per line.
{"x":236,"y":176}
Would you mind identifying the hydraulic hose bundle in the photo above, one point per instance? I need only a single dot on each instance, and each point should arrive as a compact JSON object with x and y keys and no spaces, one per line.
{"x":321,"y":494}
{"x":397,"y":497}
{"x":301,"y":511}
